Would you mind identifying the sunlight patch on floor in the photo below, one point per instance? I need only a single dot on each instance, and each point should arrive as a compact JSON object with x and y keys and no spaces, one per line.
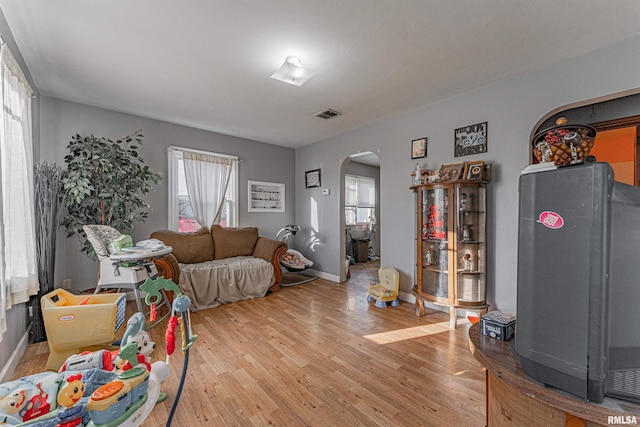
{"x":408,"y":333}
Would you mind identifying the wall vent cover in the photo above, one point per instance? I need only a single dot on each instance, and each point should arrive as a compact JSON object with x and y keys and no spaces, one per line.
{"x":328,"y":114}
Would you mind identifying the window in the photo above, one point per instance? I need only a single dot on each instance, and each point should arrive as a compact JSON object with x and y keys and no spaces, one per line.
{"x":181,"y":215}
{"x":359,"y":199}
{"x":18,"y":265}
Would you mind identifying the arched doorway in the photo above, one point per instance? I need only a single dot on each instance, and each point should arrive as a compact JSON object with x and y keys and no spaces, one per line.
{"x":359,"y":210}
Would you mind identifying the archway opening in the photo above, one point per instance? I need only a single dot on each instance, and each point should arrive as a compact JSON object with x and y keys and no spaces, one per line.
{"x":360,"y":213}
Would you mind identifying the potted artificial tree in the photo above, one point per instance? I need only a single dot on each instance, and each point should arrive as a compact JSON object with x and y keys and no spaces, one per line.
{"x":104,"y":184}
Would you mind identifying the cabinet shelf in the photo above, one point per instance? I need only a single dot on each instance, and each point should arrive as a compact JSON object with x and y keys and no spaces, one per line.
{"x":456,"y":276}
{"x":436,"y":270}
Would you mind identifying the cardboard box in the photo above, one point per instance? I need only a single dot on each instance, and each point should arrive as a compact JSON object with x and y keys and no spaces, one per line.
{"x":498,"y":325}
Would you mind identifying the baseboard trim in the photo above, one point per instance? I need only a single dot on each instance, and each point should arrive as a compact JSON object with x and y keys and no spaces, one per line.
{"x":407,"y":296}
{"x":321,"y":274}
{"x":12,"y":363}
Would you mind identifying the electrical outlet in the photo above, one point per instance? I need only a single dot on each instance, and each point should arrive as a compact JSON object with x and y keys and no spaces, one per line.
{"x":66,"y":284}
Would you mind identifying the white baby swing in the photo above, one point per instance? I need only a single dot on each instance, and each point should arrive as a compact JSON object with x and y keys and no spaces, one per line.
{"x":293,"y":261}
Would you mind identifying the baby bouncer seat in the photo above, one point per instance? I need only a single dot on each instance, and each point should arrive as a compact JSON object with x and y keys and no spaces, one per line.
{"x":387,"y":289}
{"x":293,"y":261}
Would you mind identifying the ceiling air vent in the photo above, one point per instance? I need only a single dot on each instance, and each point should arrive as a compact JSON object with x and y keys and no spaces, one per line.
{"x":328,"y":114}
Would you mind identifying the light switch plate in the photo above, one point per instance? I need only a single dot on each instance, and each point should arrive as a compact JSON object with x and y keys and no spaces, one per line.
{"x":325,"y":191}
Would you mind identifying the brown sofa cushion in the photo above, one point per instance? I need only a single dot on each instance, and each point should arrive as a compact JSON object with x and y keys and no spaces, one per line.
{"x":188,"y":248}
{"x":230,"y":242}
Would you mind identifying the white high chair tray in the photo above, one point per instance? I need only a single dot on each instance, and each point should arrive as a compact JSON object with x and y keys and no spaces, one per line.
{"x":141,"y":253}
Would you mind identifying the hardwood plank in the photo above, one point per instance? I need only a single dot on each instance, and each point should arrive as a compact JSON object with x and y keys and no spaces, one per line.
{"x":318,"y":354}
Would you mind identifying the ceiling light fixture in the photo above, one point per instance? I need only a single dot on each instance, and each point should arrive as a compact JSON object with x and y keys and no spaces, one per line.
{"x":291,"y":72}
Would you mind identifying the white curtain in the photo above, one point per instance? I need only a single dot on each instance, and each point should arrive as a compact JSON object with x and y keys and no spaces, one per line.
{"x":18,"y":265}
{"x":207,"y":179}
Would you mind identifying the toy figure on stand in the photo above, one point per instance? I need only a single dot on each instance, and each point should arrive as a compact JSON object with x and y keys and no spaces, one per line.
{"x":442,"y":258}
{"x":468,"y":266}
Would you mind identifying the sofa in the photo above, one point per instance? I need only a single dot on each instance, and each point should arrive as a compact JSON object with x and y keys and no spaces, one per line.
{"x":221,"y":265}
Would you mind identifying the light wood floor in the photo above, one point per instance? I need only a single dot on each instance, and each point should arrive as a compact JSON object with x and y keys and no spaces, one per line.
{"x":318,"y":354}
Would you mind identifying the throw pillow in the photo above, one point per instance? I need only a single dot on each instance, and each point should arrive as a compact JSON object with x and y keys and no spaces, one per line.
{"x":230,"y":242}
{"x":188,"y":248}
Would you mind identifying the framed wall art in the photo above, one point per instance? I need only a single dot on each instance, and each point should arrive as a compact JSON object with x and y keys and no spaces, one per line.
{"x":312,"y":178}
{"x":419,"y":148}
{"x":470,"y":140}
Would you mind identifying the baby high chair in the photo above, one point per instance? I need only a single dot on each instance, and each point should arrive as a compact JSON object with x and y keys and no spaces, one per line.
{"x":387,"y":289}
{"x":125,"y":270}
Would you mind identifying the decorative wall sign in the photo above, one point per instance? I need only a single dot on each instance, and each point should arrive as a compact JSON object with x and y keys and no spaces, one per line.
{"x":419,"y":148}
{"x":470,"y":140}
{"x":312,"y":178}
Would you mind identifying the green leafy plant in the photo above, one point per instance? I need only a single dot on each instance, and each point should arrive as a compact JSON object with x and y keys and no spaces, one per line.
{"x":105,"y":183}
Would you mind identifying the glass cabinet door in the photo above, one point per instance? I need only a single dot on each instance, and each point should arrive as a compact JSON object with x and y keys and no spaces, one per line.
{"x":470,"y":243}
{"x":435,"y":250}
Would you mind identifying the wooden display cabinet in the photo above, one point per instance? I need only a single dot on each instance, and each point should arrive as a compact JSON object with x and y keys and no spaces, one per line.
{"x":451,"y":252}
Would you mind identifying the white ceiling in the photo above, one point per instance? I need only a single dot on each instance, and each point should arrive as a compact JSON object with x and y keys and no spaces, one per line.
{"x":206,"y":63}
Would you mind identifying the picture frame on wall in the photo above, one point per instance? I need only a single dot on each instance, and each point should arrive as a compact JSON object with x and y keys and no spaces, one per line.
{"x":450,"y":172}
{"x":419,"y":148}
{"x":312,"y":178}
{"x":471,"y":139}
{"x":474,"y":171}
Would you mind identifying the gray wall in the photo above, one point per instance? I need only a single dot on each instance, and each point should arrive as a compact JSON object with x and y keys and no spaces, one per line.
{"x":513,"y":108}
{"x":263,"y":162}
{"x":361,"y":169}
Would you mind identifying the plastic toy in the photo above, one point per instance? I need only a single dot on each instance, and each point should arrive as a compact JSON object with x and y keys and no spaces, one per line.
{"x":102,"y":359}
{"x":70,"y":413}
{"x":115,"y":402}
{"x":74,"y":322}
{"x":387,"y":289}
{"x":140,"y":341}
{"x":28,"y":398}
{"x":95,"y":396}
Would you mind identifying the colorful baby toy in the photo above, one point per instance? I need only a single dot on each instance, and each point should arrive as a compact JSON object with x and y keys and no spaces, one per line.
{"x":103,"y":388}
{"x":387,"y":289}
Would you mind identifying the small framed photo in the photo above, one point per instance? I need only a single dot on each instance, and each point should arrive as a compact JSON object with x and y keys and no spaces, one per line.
{"x":449,"y":172}
{"x":470,"y":140}
{"x":419,"y":148}
{"x":312,"y":178}
{"x":474,"y":171}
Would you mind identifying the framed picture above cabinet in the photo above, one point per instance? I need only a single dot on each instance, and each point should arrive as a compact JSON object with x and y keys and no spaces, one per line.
{"x":265,"y":196}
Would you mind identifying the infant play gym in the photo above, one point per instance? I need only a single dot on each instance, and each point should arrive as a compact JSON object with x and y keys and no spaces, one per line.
{"x":86,"y":385}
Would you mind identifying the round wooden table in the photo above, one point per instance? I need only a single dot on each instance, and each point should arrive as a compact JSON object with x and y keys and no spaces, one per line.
{"x":515,"y":400}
